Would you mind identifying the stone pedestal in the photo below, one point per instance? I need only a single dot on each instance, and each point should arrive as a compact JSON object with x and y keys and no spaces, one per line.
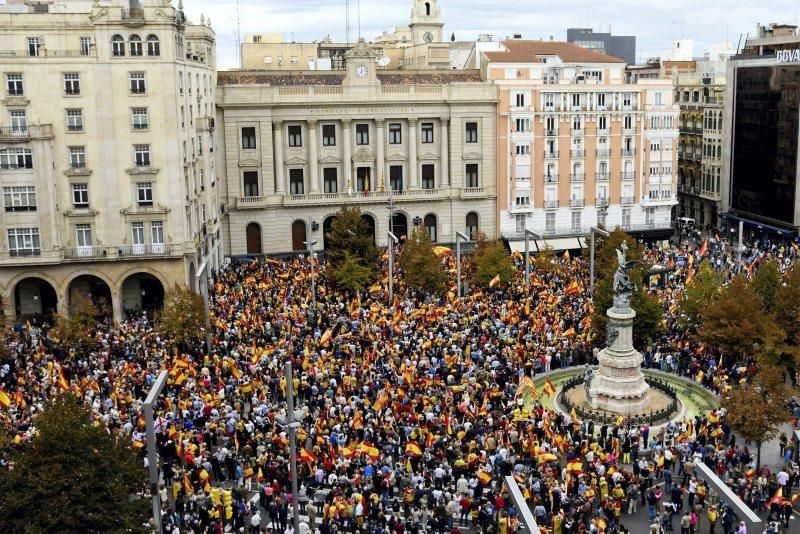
{"x":618,"y":385}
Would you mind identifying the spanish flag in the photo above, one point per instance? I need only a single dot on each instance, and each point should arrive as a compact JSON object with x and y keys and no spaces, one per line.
{"x":5,"y":401}
{"x":246,"y":389}
{"x":549,"y":389}
{"x":62,"y":382}
{"x":704,"y":248}
{"x":326,"y":337}
{"x":413,"y":448}
{"x":306,"y":456}
{"x":717,"y":432}
{"x":569,"y":332}
{"x":574,"y":467}
{"x":187,"y":485}
{"x":248,"y":473}
{"x":260,"y":476}
{"x":546,"y":457}
{"x":138,"y":444}
{"x":494,"y":281}
{"x":484,"y":478}
{"x":573,"y":288}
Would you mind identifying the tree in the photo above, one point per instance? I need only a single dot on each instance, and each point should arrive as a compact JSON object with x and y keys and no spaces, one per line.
{"x":73,"y":477}
{"x":422,"y":270}
{"x":605,"y":255}
{"x":78,"y":327}
{"x":545,"y":260}
{"x":787,"y":301}
{"x":758,"y":409}
{"x":350,"y":233}
{"x":489,"y":260}
{"x":766,"y":282}
{"x":734,"y":321}
{"x":704,"y":289}
{"x":183,"y":316}
{"x":352,"y":274}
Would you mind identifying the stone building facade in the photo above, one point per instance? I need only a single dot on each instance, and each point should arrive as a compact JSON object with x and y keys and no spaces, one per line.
{"x":298,"y":146}
{"x":106,"y":153}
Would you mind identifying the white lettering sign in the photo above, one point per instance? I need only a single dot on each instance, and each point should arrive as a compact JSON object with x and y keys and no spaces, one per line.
{"x":788,"y":56}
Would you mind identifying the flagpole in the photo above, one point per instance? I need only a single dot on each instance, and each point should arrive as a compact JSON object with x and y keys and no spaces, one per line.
{"x":292,"y":424}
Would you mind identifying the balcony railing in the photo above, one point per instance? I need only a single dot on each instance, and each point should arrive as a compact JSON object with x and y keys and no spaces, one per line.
{"x":551,"y":133}
{"x":144,"y":250}
{"x":551,"y":179}
{"x":577,"y":153}
{"x":21,"y":134}
{"x":84,"y":253}
{"x":43,"y":52}
{"x":551,"y":154}
{"x":628,"y":151}
{"x":577,"y":177}
{"x":602,"y":177}
{"x":135,"y":14}
{"x":602,"y":201}
{"x":576,"y":203}
{"x":626,"y":200}
{"x":550,"y":204}
{"x":603,"y":152}
{"x":627,"y":175}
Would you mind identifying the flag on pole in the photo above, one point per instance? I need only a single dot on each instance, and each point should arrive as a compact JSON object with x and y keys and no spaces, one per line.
{"x":549,"y":389}
{"x":5,"y":401}
{"x":494,"y":281}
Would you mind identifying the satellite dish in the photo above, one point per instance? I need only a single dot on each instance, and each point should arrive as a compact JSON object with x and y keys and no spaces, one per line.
{"x":384,"y":61}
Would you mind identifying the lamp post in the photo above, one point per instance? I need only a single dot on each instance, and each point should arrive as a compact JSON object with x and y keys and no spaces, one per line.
{"x":292,"y":424}
{"x":391,"y":241}
{"x":152,"y":459}
{"x":528,"y":235}
{"x":201,"y":279}
{"x":310,"y":246}
{"x":593,"y":231}
{"x":459,"y":237}
{"x":739,"y":247}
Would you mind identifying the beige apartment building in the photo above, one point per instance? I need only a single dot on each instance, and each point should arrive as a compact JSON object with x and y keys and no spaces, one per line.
{"x":578,"y":145}
{"x":298,"y":146}
{"x":106,"y":153}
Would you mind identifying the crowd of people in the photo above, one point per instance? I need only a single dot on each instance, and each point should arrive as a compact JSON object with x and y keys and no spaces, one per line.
{"x":410,"y":418}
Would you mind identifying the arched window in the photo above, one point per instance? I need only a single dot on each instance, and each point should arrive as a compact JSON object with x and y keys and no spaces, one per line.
{"x":472,"y":225}
{"x":253,"y":235}
{"x":117,"y":46}
{"x":430,"y":226}
{"x":136,"y":45}
{"x":299,"y":235}
{"x":428,"y":9}
{"x":153,"y":46}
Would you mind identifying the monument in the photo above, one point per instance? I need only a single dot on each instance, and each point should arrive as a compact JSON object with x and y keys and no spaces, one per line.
{"x":618,"y":385}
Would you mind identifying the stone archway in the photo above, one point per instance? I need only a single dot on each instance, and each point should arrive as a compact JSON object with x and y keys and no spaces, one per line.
{"x":400,"y":226}
{"x":141,"y":292}
{"x":92,"y":287}
{"x":326,"y":229}
{"x":369,"y":220}
{"x":34,"y":296}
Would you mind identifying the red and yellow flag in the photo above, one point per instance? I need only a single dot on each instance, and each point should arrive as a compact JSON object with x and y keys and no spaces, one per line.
{"x":549,"y":389}
{"x":412,"y":447}
{"x":5,"y":401}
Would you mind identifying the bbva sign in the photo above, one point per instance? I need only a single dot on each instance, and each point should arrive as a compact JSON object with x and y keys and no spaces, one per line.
{"x":787,"y":56}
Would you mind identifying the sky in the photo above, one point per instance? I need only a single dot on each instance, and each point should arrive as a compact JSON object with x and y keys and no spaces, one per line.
{"x":655,"y":23}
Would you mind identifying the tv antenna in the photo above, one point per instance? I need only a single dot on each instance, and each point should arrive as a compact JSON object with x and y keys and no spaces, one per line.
{"x":238,"y":35}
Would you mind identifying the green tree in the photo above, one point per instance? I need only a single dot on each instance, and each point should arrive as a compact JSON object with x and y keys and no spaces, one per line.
{"x":77,"y":328}
{"x":489,"y":260}
{"x":352,"y":274}
{"x":350,"y":233}
{"x":757,"y":410}
{"x":701,"y":291}
{"x":183,"y":315}
{"x":766,"y":282}
{"x":605,"y":254}
{"x":73,"y":477}
{"x":544,"y":260}
{"x":787,"y":318}
{"x":422,"y":270}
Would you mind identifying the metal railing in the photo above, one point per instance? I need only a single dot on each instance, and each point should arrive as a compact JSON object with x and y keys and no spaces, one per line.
{"x":551,"y":179}
{"x":577,"y":153}
{"x":627,"y":175}
{"x":551,"y":204}
{"x":628,"y":151}
{"x":577,"y":203}
{"x":577,"y":177}
{"x":134,"y":14}
{"x":551,"y":154}
{"x":626,"y":200}
{"x":43,"y":52}
{"x":602,"y":177}
{"x":603,"y":152}
{"x":82,"y":253}
{"x":144,"y":250}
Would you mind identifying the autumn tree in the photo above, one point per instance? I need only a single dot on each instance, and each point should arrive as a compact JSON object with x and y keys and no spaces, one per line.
{"x":350,"y":233}
{"x":352,"y":274}
{"x":700,"y":292}
{"x":545,"y":259}
{"x":183,"y":315}
{"x":78,"y":327}
{"x":766,"y":282}
{"x":787,"y":319}
{"x":490,"y":259}
{"x":422,"y":270}
{"x":756,"y":410}
{"x":73,"y":477}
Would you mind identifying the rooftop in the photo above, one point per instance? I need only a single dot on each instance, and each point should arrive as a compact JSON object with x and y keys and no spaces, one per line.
{"x":306,"y":78}
{"x":522,"y":51}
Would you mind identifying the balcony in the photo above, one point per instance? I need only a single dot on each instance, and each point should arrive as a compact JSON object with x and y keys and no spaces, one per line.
{"x":628,"y":131}
{"x":45,"y":53}
{"x":577,"y":153}
{"x":133,"y":16}
{"x":87,"y":253}
{"x":205,"y":123}
{"x":626,"y":200}
{"x":577,"y":177}
{"x":602,"y":176}
{"x":627,"y":152}
{"x":550,"y":204}
{"x":602,"y":201}
{"x":603,"y":152}
{"x":93,"y":253}
{"x":627,"y":175}
{"x":576,"y":203}
{"x":578,"y":132}
{"x":551,"y":179}
{"x":23,"y":134}
{"x":473,"y":192}
{"x":603,"y":131}
{"x":143,"y":250}
{"x":551,"y":154}
{"x":551,"y":133}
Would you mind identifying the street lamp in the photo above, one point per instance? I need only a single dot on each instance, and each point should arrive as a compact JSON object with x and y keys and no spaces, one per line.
{"x":459,"y":237}
{"x":739,"y":247}
{"x":391,"y":241}
{"x":201,"y":279}
{"x":310,"y":246}
{"x":528,"y":235}
{"x":150,"y":431}
{"x":593,"y":231}
{"x":292,"y":424}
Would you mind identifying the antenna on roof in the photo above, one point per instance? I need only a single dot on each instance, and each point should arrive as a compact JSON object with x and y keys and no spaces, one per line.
{"x":238,"y":35}
{"x":358,"y":10}
{"x":347,"y":21}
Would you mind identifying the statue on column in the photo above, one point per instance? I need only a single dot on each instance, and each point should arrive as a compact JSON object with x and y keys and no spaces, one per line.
{"x":623,"y":287}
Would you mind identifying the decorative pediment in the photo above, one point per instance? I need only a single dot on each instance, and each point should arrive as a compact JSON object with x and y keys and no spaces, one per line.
{"x":428,"y":156}
{"x":296,"y":160}
{"x":329,"y":160}
{"x":141,"y":170}
{"x":81,"y":213}
{"x":471,"y":156}
{"x":397,"y":156}
{"x":364,"y":155}
{"x":15,"y":101}
{"x":78,"y":172}
{"x":158,"y":209}
{"x":249,"y":162}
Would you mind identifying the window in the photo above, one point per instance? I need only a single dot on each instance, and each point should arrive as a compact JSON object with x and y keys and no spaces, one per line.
{"x":86,"y":46}
{"x":295,"y":136}
{"x":520,"y":98}
{"x":141,"y":155}
{"x":137,"y":237}
{"x":328,"y":135}
{"x":626,"y":217}
{"x":396,"y":177}
{"x":430,"y":226}
{"x":72,"y":83}
{"x":362,"y":134}
{"x":135,"y":43}
{"x":33,"y":46}
{"x":144,"y":194}
{"x":519,"y":223}
{"x":24,"y":242}
{"x":16,"y":158}
{"x":80,"y":195}
{"x":427,"y":132}
{"x":550,"y":221}
{"x":550,"y":125}
{"x":139,"y":119}
{"x":628,"y":122}
{"x":330,"y":180}
{"x":157,"y":236}
{"x":577,"y":123}
{"x":22,"y":198}
{"x":602,"y":123}
{"x":363,"y":179}
{"x":601,"y":100}
{"x":138,"y":86}
{"x":472,"y":225}
{"x":576,"y":100}
{"x":522,"y":125}
{"x":471,"y":175}
{"x":576,"y":221}
{"x":523,"y":150}
{"x":153,"y":48}
{"x":19,"y":123}
{"x":511,"y":74}
{"x":249,"y":138}
{"x":472,"y":132}
{"x":395,"y":134}
{"x":77,"y":157}
{"x":83,"y":238}
{"x":14,"y":84}
{"x":250,"y":183}
{"x":523,"y":201}
{"x":428,"y":176}
{"x":117,"y":46}
{"x":549,"y":101}
{"x":296,"y":186}
{"x":626,"y":99}
{"x":74,"y":120}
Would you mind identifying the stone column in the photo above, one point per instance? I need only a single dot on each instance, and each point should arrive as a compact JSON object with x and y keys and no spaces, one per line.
{"x":313,"y":156}
{"x":380,"y":164}
{"x":445,"y":154}
{"x":116,"y":306}
{"x":412,"y":154}
{"x":280,"y":180}
{"x":348,"y":155}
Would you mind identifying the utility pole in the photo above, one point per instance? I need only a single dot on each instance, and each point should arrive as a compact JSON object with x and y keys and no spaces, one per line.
{"x":391,"y":242}
{"x":739,"y":247}
{"x":528,"y":235}
{"x":292,"y":424}
{"x":152,"y":455}
{"x":593,"y":234}
{"x":459,"y":237}
{"x":310,"y":246}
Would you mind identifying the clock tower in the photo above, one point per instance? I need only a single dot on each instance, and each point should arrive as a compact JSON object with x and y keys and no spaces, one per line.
{"x":426,"y":22}
{"x":360,"y":63}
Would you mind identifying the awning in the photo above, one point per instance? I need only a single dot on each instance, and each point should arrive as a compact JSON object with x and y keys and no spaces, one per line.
{"x":557,"y":244}
{"x":758,"y":225}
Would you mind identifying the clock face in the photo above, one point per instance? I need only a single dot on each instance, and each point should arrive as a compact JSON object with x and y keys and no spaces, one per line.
{"x":428,"y":37}
{"x":361,"y":71}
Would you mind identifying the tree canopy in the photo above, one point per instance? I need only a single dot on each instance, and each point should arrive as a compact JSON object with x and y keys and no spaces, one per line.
{"x":350,"y":233}
{"x":183,"y":315}
{"x":700,"y":292}
{"x":422,"y":270}
{"x":491,"y":260}
{"x":352,"y":274}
